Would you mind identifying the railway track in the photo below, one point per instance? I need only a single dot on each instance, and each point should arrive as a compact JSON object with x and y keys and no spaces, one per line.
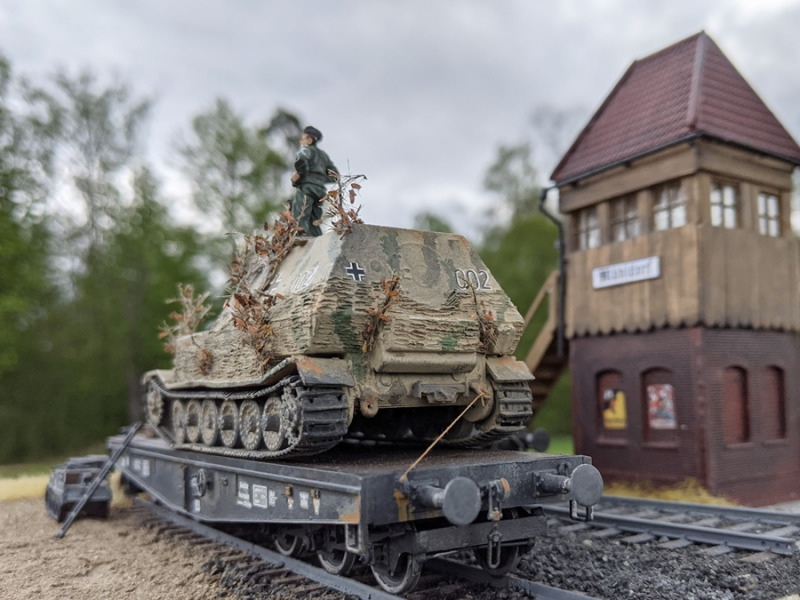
{"x":264,"y":573}
{"x":720,"y":529}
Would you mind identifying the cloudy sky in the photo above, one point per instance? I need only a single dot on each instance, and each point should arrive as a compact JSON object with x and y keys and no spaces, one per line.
{"x":416,"y":94}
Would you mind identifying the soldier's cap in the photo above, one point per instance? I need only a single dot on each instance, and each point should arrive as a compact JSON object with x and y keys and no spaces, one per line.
{"x":314,"y":133}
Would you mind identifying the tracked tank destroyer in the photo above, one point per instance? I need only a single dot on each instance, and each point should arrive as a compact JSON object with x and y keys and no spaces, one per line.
{"x":382,"y":334}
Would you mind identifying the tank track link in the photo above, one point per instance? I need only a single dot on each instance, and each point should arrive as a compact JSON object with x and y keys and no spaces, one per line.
{"x":514,"y":412}
{"x":512,"y":415}
{"x":318,"y":415}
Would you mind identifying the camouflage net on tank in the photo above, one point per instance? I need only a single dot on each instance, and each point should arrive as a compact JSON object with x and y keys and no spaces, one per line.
{"x":378,"y":314}
{"x":193,"y":313}
{"x":486,"y":323}
{"x":250,"y":308}
{"x":341,"y":203}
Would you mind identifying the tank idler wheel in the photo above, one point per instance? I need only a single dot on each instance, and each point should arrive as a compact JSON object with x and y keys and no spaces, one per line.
{"x":209,"y":423}
{"x":288,"y":544}
{"x":403,"y":579}
{"x":193,"y":411}
{"x":229,"y":423}
{"x":154,"y":404}
{"x":250,"y":424}
{"x":509,"y":558}
{"x":336,"y":561}
{"x":178,"y":422}
{"x":271,"y":424}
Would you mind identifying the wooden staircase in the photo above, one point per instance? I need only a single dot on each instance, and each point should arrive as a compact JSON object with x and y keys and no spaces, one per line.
{"x":543,"y":358}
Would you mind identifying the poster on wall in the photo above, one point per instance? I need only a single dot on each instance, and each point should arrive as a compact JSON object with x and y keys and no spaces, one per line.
{"x":661,"y":406}
{"x":614,"y":411}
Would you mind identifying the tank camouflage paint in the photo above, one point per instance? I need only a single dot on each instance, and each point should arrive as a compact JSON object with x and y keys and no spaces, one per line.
{"x":381,"y":333}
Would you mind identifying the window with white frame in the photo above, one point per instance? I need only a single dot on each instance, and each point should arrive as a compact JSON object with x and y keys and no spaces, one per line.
{"x":588,"y":228}
{"x":669,"y":209}
{"x":624,"y":219}
{"x":769,"y":215}
{"x":724,"y":205}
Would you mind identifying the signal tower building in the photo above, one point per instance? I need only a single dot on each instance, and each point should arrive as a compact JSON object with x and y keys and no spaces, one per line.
{"x":683,"y":280}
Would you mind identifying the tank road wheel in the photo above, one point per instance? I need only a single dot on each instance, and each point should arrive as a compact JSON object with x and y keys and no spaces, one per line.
{"x":179,"y":422}
{"x":509,"y":558}
{"x":193,"y":421}
{"x":209,"y":423}
{"x":250,"y":424}
{"x":336,"y":561}
{"x":154,"y":404}
{"x":290,"y":416}
{"x":403,"y":579}
{"x":271,"y":424}
{"x":229,"y":423}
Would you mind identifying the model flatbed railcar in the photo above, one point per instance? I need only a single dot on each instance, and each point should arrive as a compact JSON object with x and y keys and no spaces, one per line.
{"x":354,"y":503}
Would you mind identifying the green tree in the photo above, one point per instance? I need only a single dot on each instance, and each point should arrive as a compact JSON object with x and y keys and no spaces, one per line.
{"x":75,"y":367}
{"x":239,"y":173}
{"x":521,"y":252}
{"x":429,"y":221}
{"x":121,"y":301}
{"x":97,"y":130}
{"x":26,"y":292}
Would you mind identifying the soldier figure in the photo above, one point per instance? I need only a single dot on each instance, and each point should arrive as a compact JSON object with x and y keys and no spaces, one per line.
{"x":313,"y":170}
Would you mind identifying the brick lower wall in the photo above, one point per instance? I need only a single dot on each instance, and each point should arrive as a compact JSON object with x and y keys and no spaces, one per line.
{"x":750,"y":453}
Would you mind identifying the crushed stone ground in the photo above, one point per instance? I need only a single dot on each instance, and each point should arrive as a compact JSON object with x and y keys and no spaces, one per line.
{"x":119,"y":558}
{"x":97,"y":559}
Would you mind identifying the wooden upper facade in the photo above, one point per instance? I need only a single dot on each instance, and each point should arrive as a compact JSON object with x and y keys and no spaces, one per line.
{"x":680,"y":216}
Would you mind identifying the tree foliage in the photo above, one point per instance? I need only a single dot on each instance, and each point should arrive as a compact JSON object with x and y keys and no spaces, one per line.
{"x":77,"y":334}
{"x":239,"y":173}
{"x":519,"y":247}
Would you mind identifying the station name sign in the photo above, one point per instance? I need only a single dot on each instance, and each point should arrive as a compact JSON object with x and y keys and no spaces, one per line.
{"x":626,"y":272}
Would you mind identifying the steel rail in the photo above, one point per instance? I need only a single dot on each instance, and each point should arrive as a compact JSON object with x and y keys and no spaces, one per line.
{"x":321,"y":576}
{"x":693,"y":533}
{"x":733,"y":512}
{"x":539,"y":590}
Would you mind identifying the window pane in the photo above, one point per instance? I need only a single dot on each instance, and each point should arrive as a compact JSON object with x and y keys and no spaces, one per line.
{"x":634,"y":228}
{"x":772,"y":206}
{"x":730,"y":217}
{"x":679,"y":215}
{"x":774,"y":229}
{"x":661,"y":220}
{"x":716,"y":215}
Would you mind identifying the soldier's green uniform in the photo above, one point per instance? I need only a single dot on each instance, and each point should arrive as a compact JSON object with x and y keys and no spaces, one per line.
{"x":313,"y":167}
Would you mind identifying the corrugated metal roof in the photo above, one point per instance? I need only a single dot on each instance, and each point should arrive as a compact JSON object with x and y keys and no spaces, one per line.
{"x":688,"y":89}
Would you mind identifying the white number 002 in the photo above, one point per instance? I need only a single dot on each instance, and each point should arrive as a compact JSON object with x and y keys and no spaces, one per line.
{"x":469,"y":278}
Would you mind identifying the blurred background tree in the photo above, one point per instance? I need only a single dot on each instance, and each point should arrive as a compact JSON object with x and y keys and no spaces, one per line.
{"x":238,"y":172}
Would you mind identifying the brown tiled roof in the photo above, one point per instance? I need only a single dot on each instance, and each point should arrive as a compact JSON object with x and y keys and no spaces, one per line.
{"x":687,"y":90}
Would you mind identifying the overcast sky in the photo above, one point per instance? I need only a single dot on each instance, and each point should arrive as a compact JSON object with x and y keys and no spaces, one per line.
{"x":416,"y":94}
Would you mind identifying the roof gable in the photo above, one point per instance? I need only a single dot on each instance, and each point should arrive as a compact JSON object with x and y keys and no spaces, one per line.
{"x":687,"y":90}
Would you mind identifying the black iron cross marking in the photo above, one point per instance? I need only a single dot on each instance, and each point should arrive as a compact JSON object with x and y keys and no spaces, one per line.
{"x":356,"y":272}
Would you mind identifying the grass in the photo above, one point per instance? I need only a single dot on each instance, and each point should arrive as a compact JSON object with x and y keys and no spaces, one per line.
{"x":25,"y":486}
{"x":561,"y":444}
{"x":43,"y":466}
{"x":29,"y":479}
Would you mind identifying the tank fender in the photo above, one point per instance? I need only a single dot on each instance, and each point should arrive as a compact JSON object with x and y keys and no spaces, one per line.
{"x":508,"y":369}
{"x":324,"y":371}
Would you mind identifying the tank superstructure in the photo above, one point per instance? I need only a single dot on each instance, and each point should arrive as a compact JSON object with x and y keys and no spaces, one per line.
{"x":381,"y":333}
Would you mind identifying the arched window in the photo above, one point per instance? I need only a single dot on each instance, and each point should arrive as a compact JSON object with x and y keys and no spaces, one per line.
{"x":735,"y":406}
{"x":659,"y":410}
{"x":774,"y":403}
{"x":612,"y":413}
